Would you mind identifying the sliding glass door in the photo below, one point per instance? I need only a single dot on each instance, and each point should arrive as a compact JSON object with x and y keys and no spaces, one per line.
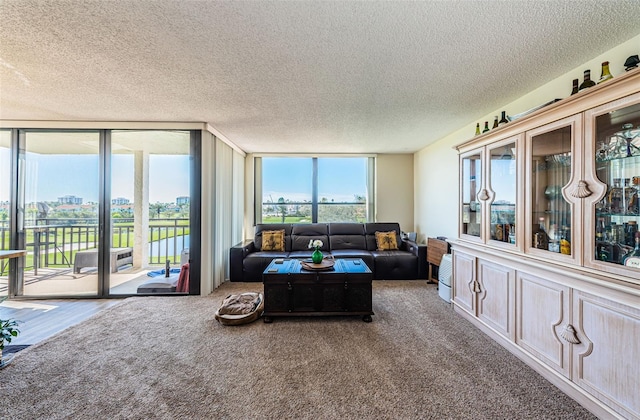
{"x":150,"y":209}
{"x":57,"y":211}
{"x":100,"y":212}
{"x":5,"y":201}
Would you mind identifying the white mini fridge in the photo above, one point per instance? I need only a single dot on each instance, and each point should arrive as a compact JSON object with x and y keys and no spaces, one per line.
{"x":444,"y":278}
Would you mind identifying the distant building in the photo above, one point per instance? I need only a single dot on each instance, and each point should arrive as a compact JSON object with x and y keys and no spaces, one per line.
{"x":70,"y":199}
{"x":120,"y":201}
{"x":69,"y":207}
{"x":183,"y":200}
{"x":122,"y":208}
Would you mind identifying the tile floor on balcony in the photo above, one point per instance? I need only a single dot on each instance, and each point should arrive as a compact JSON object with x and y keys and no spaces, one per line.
{"x":64,"y":282}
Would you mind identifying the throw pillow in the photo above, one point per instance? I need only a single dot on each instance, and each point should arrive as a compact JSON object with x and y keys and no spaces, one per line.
{"x":386,"y":241}
{"x":273,"y":240}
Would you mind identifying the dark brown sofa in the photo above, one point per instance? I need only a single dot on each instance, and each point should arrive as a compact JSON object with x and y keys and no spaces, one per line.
{"x":340,"y":240}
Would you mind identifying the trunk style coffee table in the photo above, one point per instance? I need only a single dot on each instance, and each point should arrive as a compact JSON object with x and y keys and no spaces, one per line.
{"x":291,"y":290}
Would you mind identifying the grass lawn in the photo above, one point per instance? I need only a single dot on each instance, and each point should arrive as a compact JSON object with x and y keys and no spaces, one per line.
{"x":287,"y":219}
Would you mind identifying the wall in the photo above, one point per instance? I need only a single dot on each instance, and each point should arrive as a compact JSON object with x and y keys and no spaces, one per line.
{"x":207,"y":237}
{"x":436,"y":166}
{"x":395,"y":190}
{"x":436,"y":189}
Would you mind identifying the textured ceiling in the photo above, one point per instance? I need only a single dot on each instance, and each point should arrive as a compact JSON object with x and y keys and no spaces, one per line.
{"x":299,"y":76}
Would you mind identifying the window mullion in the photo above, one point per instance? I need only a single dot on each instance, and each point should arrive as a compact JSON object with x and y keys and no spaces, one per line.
{"x":314,"y":192}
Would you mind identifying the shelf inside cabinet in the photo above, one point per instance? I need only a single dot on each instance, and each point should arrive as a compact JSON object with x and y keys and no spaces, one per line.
{"x":547,"y":212}
{"x":548,"y":166}
{"x":623,"y":215}
{"x":630,"y":160}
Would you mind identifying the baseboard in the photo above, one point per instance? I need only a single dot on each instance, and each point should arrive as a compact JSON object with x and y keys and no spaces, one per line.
{"x":588,"y":401}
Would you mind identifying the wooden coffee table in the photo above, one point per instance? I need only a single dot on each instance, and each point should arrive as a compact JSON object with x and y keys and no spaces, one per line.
{"x":290,"y":290}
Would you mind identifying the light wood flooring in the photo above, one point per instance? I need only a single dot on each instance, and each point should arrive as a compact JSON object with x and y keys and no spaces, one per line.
{"x":40,"y":319}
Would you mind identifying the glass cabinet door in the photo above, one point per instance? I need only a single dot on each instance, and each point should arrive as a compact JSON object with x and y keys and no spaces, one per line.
{"x":614,"y":236}
{"x":550,"y":165}
{"x":471,"y":217}
{"x":503,"y":179}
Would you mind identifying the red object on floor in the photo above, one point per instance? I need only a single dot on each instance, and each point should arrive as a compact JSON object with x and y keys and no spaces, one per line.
{"x":183,"y":279}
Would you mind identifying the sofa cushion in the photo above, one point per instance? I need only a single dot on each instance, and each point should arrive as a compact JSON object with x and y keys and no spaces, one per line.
{"x":346,"y":229}
{"x":160,"y":284}
{"x":305,"y":254}
{"x":370,"y":230}
{"x":268,"y":254}
{"x":354,"y":253}
{"x":255,"y":263}
{"x":386,"y":241}
{"x":273,"y":240}
{"x":346,"y":236}
{"x":301,"y":234}
{"x":270,"y":227}
{"x":395,"y":265}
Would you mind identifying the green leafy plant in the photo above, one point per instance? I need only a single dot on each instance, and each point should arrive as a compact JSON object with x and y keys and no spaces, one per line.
{"x":8,"y":331}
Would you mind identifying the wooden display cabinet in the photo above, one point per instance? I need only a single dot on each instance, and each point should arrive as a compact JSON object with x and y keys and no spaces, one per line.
{"x":560,"y":297}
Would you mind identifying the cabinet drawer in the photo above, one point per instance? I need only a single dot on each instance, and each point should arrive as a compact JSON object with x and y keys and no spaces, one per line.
{"x":495,"y":299}
{"x":607,"y":360}
{"x":464,"y":277}
{"x":542,"y":312}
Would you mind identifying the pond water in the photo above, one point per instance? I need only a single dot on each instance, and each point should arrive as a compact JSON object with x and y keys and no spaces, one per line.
{"x":171,"y":247}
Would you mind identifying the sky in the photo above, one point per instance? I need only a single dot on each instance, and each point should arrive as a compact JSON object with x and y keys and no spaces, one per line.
{"x":51,"y":176}
{"x":290,"y":178}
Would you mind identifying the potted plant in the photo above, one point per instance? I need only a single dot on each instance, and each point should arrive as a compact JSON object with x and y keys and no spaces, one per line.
{"x":8,"y":330}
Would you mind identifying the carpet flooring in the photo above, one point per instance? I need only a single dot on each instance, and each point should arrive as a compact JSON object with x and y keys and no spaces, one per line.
{"x":167,"y":358}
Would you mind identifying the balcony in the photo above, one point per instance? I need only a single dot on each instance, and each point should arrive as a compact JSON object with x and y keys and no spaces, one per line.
{"x":53,"y":245}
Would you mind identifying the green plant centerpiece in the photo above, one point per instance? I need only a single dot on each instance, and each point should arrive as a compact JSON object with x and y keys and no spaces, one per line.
{"x":317,"y":255}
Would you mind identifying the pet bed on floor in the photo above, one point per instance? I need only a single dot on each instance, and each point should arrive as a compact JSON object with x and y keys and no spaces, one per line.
{"x":240,"y":309}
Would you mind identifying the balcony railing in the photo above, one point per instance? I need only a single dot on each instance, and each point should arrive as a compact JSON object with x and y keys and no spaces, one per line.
{"x":54,"y":242}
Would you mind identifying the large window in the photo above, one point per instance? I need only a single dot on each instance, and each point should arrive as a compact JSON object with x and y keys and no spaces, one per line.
{"x":314,"y":189}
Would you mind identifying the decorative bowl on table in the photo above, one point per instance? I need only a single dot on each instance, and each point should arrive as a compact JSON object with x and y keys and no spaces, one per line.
{"x":326,"y":264}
